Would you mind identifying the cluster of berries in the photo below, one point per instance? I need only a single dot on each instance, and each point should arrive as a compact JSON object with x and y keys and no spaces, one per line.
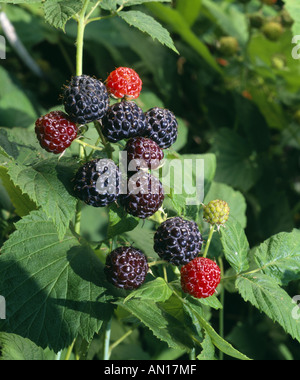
{"x":97,"y":183}
{"x":179,"y":242}
{"x":272,"y":29}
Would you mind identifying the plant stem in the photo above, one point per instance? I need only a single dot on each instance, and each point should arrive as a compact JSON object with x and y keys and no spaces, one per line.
{"x":211,"y":232}
{"x":106,"y":144}
{"x":120,"y":340}
{"x":70,"y":349}
{"x":80,"y":38}
{"x":221,"y":315}
{"x":79,"y":59}
{"x":192,"y":355}
{"x":83,"y":143}
{"x":106,"y":351}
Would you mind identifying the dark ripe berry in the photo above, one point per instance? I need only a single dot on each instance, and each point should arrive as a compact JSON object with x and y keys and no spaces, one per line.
{"x":200,"y":277}
{"x":55,"y":132}
{"x":162,"y":127}
{"x":124,"y":82}
{"x":123,"y":120}
{"x":97,"y":183}
{"x":143,"y":153}
{"x":85,"y":99}
{"x":144,"y":196}
{"x":126,"y":268}
{"x":178,"y":241}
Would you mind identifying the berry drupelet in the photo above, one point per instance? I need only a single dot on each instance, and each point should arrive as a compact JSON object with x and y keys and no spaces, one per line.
{"x":216,"y":212}
{"x":143,"y":153}
{"x":162,"y":127}
{"x":85,"y":99}
{"x":55,"y":132}
{"x":144,"y":196}
{"x":124,"y":82}
{"x":200,"y":277}
{"x":178,"y":241}
{"x":123,"y":120}
{"x":126,"y":268}
{"x":97,"y":183}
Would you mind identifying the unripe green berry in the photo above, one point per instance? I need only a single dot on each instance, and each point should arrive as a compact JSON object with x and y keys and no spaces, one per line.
{"x":228,"y":46}
{"x":286,"y":18}
{"x":272,"y":30}
{"x":256,"y":20}
{"x":216,"y":212}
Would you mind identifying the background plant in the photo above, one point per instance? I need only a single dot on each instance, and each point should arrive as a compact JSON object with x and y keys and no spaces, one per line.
{"x":237,"y":112}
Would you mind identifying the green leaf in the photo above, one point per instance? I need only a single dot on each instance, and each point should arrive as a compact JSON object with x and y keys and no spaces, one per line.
{"x":293,"y":7}
{"x":189,"y":10}
{"x":14,"y":347}
{"x":23,"y":205}
{"x":279,"y":256}
{"x":173,"y":18}
{"x":208,"y":349}
{"x":156,"y":290}
{"x":235,"y":245}
{"x":47,"y":184}
{"x":16,"y":107}
{"x":186,"y":178}
{"x":58,"y":12}
{"x":216,"y":339}
{"x":120,"y":221}
{"x":264,"y":293}
{"x":237,"y":164}
{"x":162,"y":322}
{"x":149,"y":25}
{"x":111,"y":5}
{"x":20,"y":1}
{"x":20,"y":144}
{"x":54,"y":289}
{"x":229,"y":19}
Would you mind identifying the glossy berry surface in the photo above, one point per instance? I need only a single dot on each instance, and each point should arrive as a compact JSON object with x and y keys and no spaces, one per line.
{"x":144,"y":196}
{"x":178,"y":241}
{"x":55,"y":132}
{"x":85,"y":99}
{"x":216,"y":212}
{"x":145,"y":153}
{"x":200,"y":277}
{"x":124,"y":82}
{"x":123,"y":120}
{"x":126,"y":268}
{"x":97,"y":183}
{"x":162,"y":127}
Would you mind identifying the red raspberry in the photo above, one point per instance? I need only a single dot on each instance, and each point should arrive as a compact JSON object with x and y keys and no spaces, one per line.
{"x":145,"y":153}
{"x":200,"y":277}
{"x":55,"y":132}
{"x":124,"y":82}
